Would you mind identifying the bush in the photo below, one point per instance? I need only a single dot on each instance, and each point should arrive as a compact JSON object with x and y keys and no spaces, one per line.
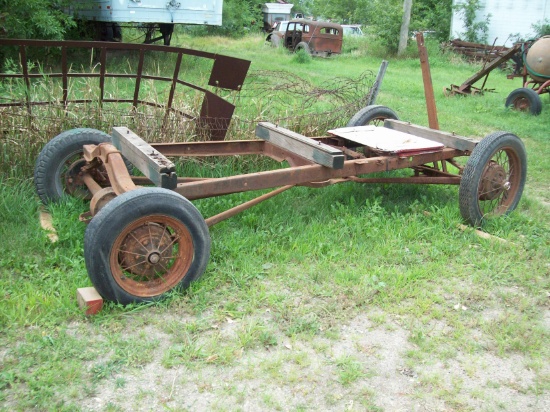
{"x":388,"y":25}
{"x":32,"y":19}
{"x":476,"y":31}
{"x":542,"y":28}
{"x":433,"y":15}
{"x":35,"y":19}
{"x":239,"y":17}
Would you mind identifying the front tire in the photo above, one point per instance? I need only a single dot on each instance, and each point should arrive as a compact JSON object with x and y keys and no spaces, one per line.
{"x":145,"y":243}
{"x":493,"y":178}
{"x":525,"y":100}
{"x":372,"y":115}
{"x":59,"y":162}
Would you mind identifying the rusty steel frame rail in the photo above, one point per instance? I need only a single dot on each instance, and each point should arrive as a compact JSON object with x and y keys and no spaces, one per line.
{"x":301,"y":172}
{"x":427,"y":80}
{"x":227,"y":73}
{"x":302,"y":175}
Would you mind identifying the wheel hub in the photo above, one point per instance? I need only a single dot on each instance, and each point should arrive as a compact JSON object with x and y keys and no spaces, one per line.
{"x":73,"y":181}
{"x":494,"y":182}
{"x":74,"y":184}
{"x":147,"y":250}
{"x":522,"y":104}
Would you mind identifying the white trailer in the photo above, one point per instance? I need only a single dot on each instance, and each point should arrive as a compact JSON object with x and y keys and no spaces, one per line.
{"x":151,"y":14}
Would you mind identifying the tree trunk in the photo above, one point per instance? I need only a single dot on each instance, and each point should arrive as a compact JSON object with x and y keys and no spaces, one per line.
{"x":404,"y":34}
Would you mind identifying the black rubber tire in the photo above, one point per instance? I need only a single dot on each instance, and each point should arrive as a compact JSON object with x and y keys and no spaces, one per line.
{"x":166,"y":29}
{"x":493,"y":178}
{"x":117,"y":32}
{"x":58,"y":154}
{"x":106,"y":32}
{"x":303,"y":46}
{"x":525,"y":100}
{"x":110,"y":243}
{"x":372,"y":115}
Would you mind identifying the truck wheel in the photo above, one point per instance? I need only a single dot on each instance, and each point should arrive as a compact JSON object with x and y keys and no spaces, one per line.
{"x":372,"y":115}
{"x":303,"y":46}
{"x":144,"y":244}
{"x":59,"y":163}
{"x":493,"y":178}
{"x":525,"y":100}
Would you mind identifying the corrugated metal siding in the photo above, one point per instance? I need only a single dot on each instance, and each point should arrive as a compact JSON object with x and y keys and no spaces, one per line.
{"x":508,"y":17}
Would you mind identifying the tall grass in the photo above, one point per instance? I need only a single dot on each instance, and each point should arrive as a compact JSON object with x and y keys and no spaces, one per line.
{"x":304,"y":104}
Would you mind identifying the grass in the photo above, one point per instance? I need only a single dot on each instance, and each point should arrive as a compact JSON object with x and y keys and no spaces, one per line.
{"x":288,"y":279}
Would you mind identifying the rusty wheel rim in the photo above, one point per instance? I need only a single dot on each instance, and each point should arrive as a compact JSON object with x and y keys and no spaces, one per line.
{"x":522,"y":104}
{"x":499,"y":183}
{"x":151,"y":255}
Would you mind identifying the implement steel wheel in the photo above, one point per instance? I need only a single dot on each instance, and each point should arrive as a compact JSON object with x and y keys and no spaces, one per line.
{"x":525,"y":100}
{"x":145,"y":243}
{"x":493,"y":178}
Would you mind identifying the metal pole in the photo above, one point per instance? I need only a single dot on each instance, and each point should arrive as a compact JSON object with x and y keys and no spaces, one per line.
{"x":377,"y":83}
{"x":211,"y":221}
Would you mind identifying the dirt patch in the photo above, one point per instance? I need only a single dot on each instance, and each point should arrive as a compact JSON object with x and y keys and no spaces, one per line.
{"x":363,"y":366}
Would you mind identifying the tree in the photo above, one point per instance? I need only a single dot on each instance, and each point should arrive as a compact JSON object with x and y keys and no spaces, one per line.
{"x":476,"y":30}
{"x":384,"y":18}
{"x":433,"y":15}
{"x":35,"y":19}
{"x":239,"y":17}
{"x":404,"y":34}
{"x":542,"y":28}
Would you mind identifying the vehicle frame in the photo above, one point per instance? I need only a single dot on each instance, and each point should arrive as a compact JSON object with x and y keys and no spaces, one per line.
{"x":144,"y":236}
{"x":141,"y":241}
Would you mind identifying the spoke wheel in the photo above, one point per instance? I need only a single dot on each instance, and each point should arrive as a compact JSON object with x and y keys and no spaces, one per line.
{"x":145,"y":243}
{"x":493,"y":178}
{"x":149,"y":255}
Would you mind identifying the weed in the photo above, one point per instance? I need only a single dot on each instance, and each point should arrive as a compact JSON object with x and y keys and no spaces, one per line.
{"x":349,"y":370}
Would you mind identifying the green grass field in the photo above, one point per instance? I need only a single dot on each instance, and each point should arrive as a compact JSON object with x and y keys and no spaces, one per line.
{"x":318,"y":299}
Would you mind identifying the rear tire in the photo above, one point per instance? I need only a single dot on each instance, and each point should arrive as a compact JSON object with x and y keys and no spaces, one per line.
{"x":372,"y":115}
{"x":493,"y":178}
{"x":525,"y":100}
{"x":303,"y":46}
